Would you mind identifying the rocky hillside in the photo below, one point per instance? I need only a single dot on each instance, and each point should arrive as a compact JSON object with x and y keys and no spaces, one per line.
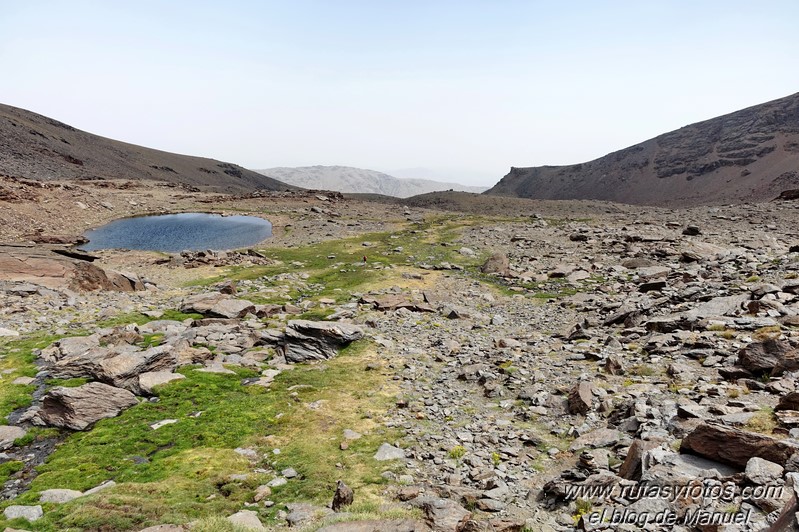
{"x":349,"y":179}
{"x":33,"y":146}
{"x":752,"y":154}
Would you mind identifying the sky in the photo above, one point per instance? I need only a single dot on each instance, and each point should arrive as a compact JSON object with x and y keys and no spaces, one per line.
{"x":455,"y":89}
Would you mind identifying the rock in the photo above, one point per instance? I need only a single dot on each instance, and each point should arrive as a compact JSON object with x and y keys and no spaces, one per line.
{"x":100,"y":487}
{"x":232,"y":308}
{"x":581,"y":398}
{"x":201,"y":303}
{"x":59,"y":496}
{"x":79,"y":408}
{"x":445,"y":515}
{"x":164,"y":528}
{"x":24,"y":381}
{"x":317,"y":340}
{"x":762,"y":472}
{"x":163,"y":423}
{"x":262,"y":492}
{"x":343,"y":496}
{"x":497,"y":263}
{"x":246,"y":519}
{"x":597,"y":438}
{"x":375,"y":525}
{"x":691,"y":230}
{"x":30,"y":513}
{"x":149,"y":380}
{"x":632,"y":466}
{"x":735,"y":446}
{"x":389,"y":452}
{"x":765,"y":356}
{"x":123,"y":370}
{"x":301,"y":513}
{"x":789,"y":401}
{"x":8,"y":332}
{"x":8,"y":434}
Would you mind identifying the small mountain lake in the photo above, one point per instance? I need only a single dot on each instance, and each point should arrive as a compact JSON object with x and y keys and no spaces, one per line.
{"x":179,"y":232}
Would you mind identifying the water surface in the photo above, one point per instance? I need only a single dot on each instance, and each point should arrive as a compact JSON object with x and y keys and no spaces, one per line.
{"x":179,"y":232}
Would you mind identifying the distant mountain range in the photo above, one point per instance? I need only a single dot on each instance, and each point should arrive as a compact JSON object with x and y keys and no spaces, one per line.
{"x":349,"y":179}
{"x":33,"y":146}
{"x":748,"y":155}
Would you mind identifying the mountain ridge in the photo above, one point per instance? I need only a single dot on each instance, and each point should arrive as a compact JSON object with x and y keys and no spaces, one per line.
{"x":349,"y":179}
{"x":747,"y":155}
{"x":34,"y":146}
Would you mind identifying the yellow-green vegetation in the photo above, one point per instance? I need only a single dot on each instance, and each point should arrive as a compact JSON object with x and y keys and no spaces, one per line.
{"x":582,"y":507}
{"x":763,"y":421}
{"x":643,"y":370}
{"x":181,"y":471}
{"x":141,"y":319}
{"x":457,"y":452}
{"x":16,"y":358}
{"x":767,"y":333}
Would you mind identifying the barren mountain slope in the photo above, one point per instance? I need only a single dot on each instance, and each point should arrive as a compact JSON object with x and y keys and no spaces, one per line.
{"x":748,"y":155}
{"x":33,"y":146}
{"x":359,"y":180}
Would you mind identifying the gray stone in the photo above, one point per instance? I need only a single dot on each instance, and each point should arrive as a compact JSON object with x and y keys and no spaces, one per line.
{"x":30,"y":513}
{"x":246,"y":519}
{"x":317,"y":340}
{"x":762,"y":472}
{"x":149,"y":380}
{"x":232,"y":308}
{"x":389,"y":452}
{"x":79,"y":408}
{"x":9,"y":433}
{"x":59,"y":496}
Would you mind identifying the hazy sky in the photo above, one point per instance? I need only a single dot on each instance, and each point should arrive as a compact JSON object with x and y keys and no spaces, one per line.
{"x":468,"y":87}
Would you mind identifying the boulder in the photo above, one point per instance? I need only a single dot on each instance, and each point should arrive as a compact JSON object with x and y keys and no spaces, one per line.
{"x":789,"y":401}
{"x":30,"y":513}
{"x":389,"y":452}
{"x":765,"y":356}
{"x":597,"y":438}
{"x":149,"y":380}
{"x":444,"y":515}
{"x":497,"y":263}
{"x":79,"y":408}
{"x":762,"y":472}
{"x":247,"y":520}
{"x":317,"y":340}
{"x":201,"y":303}
{"x":232,"y":308}
{"x":9,"y":433}
{"x":581,"y":398}
{"x":123,"y":370}
{"x":59,"y":496}
{"x":735,"y":446}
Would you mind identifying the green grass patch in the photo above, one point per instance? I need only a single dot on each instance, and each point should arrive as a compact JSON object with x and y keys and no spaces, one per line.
{"x":180,"y":472}
{"x":17,"y":360}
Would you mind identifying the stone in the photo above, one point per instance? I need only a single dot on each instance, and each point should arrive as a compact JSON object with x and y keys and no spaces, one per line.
{"x":581,"y":398}
{"x":497,"y":263}
{"x":29,"y":513}
{"x":301,"y":513}
{"x":789,"y":401}
{"x":444,"y":515}
{"x":8,"y":434}
{"x":377,"y":525}
{"x":344,"y":496}
{"x":149,"y":380}
{"x":8,"y":332}
{"x":317,"y":340}
{"x":163,"y":423}
{"x":246,"y":519}
{"x":765,"y":356}
{"x":389,"y":452}
{"x":735,"y":446}
{"x":597,"y":438}
{"x":762,"y":472}
{"x":123,"y":370}
{"x":164,"y":528}
{"x":79,"y":408}
{"x":262,"y":492}
{"x":632,"y":467}
{"x":100,"y":487}
{"x":23,"y":381}
{"x":231,"y":308}
{"x":59,"y":496}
